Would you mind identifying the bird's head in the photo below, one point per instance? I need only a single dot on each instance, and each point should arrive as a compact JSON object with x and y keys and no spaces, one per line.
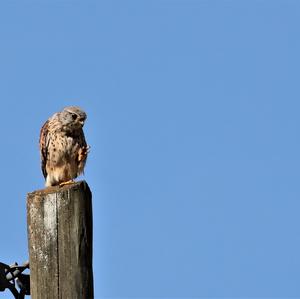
{"x":73,"y":117}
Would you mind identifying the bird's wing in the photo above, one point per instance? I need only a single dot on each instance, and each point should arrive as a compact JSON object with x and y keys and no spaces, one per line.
{"x":44,"y":142}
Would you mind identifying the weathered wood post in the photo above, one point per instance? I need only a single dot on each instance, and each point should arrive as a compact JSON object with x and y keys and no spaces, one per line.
{"x":60,"y":242}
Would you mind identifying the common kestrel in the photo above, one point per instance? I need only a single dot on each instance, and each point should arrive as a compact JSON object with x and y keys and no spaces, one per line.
{"x":63,"y":147}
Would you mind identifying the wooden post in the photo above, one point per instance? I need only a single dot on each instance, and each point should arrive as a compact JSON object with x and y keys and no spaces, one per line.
{"x":60,"y":242}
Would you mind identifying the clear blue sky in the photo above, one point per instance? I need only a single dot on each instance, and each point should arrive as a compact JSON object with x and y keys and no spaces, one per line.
{"x":193,"y":121}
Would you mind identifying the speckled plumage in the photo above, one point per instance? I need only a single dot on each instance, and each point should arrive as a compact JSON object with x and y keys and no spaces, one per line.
{"x":63,"y":147}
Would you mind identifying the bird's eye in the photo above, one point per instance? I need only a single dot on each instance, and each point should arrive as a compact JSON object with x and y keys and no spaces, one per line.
{"x":74,"y":116}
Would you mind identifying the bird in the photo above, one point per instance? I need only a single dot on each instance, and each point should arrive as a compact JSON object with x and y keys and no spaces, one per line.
{"x":63,"y":148}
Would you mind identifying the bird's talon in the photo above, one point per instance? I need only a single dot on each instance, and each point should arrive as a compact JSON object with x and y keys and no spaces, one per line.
{"x":70,"y":182}
{"x":88,"y":149}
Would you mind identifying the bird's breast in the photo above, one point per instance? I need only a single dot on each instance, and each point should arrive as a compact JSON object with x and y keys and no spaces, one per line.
{"x":62,"y":149}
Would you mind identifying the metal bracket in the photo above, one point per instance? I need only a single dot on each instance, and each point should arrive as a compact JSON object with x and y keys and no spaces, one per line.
{"x":12,"y":275}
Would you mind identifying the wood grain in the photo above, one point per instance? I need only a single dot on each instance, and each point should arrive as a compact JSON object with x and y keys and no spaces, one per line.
{"x":60,"y":242}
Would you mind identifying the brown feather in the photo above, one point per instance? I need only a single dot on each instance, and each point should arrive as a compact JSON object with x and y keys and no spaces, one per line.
{"x":44,"y":146}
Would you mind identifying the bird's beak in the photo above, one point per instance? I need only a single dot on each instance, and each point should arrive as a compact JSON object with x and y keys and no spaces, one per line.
{"x":81,"y":122}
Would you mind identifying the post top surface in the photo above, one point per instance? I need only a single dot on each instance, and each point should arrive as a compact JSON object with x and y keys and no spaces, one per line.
{"x":56,"y":189}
